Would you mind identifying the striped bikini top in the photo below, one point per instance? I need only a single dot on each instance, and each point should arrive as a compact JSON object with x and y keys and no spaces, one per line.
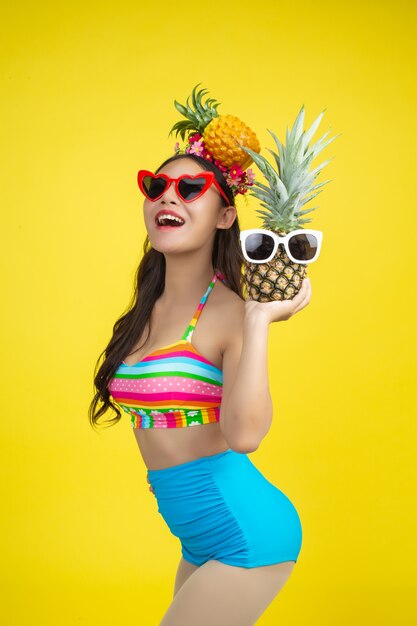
{"x":172,"y":387}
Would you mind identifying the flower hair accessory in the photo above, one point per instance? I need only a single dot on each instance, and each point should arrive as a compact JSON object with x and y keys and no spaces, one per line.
{"x":217,"y":138}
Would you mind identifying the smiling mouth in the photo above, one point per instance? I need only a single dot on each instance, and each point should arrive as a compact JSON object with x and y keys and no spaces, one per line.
{"x":169,"y":221}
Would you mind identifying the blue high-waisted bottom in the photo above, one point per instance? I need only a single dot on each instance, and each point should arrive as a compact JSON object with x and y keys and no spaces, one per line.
{"x":222,"y":507}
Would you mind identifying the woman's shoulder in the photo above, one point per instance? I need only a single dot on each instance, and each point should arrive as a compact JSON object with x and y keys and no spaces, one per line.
{"x":228,"y":297}
{"x":229,"y":311}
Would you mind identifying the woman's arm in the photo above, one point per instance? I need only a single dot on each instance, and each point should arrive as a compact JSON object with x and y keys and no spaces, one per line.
{"x":246,"y":410}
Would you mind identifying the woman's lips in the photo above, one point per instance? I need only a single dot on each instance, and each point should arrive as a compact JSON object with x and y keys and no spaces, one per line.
{"x":168,"y":212}
{"x":167,"y":227}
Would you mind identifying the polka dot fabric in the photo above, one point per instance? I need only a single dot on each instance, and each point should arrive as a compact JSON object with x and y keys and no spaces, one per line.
{"x":172,"y":387}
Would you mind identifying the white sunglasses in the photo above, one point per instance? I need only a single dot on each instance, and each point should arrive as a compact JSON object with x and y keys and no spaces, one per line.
{"x":302,"y":245}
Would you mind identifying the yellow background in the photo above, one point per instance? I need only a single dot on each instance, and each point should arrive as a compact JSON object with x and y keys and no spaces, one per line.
{"x":87,"y":96}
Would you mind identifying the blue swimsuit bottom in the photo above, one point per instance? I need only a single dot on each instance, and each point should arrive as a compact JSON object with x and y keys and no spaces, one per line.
{"x":223,"y":508}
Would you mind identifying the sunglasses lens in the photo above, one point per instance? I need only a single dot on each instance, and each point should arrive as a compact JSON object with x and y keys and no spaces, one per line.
{"x":190,"y":188}
{"x":154,"y":187}
{"x":303,"y":247}
{"x":259,"y":246}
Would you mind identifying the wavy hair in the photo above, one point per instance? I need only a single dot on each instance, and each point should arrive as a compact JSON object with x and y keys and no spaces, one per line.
{"x":149,"y":284}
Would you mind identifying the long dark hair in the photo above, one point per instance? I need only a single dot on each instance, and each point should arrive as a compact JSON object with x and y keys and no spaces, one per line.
{"x":149,"y":285}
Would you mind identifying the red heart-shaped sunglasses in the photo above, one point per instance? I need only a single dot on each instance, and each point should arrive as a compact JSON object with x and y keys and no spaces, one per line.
{"x":188,"y":187}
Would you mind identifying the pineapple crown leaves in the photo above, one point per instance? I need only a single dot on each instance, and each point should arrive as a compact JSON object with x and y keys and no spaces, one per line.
{"x":293,"y":137}
{"x":297,"y":150}
{"x":268,"y":171}
{"x":199,"y":117}
{"x":291,"y":182}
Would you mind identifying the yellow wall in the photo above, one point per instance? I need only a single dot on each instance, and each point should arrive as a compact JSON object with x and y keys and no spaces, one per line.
{"x":87,"y":94}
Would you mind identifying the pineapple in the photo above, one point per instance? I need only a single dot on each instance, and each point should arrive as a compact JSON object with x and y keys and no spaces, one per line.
{"x":281,"y":278}
{"x":223,"y":135}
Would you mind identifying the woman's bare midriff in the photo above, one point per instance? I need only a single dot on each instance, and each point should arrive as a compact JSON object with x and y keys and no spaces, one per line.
{"x":162,"y":447}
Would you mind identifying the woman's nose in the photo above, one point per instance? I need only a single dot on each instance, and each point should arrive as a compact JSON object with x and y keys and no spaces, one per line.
{"x":170,"y":193}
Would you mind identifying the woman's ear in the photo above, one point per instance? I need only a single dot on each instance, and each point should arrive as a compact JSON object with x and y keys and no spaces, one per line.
{"x":227,"y":216}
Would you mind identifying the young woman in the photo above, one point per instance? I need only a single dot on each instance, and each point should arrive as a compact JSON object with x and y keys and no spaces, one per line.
{"x":188,"y":363}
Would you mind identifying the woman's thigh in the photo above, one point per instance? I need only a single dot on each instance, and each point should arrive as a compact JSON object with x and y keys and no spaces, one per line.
{"x":226,"y":594}
{"x":184,"y":571}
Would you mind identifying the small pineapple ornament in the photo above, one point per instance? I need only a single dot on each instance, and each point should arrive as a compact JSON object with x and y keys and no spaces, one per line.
{"x":223,"y":135}
{"x":281,"y":278}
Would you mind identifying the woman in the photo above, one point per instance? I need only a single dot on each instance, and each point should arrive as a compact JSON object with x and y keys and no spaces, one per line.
{"x":199,"y":401}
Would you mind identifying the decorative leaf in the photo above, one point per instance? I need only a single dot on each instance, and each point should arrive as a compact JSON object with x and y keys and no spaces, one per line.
{"x":189,"y":109}
{"x":297,"y":127}
{"x":308,"y":198}
{"x":319,"y":185}
{"x":268,"y":171}
{"x":261,"y":195}
{"x":180,"y":108}
{"x":277,"y":160}
{"x":318,"y":147}
{"x":215,"y":108}
{"x":287,"y":137}
{"x":298,"y":175}
{"x":177,"y":127}
{"x":305,"y":211}
{"x":310,"y":132}
{"x":256,"y":183}
{"x":193,"y":98}
{"x":299,"y":149}
{"x":265,"y":214}
{"x":280,"y":147}
{"x":197,"y":101}
{"x":320,"y":167}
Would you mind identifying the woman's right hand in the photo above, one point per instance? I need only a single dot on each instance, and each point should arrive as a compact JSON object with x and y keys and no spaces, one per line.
{"x":280,"y":310}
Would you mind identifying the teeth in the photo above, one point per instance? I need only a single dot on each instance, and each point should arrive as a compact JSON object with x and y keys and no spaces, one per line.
{"x":172,"y":217}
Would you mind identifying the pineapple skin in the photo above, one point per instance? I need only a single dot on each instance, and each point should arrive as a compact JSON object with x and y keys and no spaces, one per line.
{"x":222,"y":138}
{"x":279,"y":279}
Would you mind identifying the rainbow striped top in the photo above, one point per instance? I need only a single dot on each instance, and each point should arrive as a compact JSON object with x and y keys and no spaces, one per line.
{"x":172,"y":387}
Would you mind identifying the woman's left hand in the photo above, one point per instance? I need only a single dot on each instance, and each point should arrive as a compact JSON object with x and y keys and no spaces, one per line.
{"x":281,"y":310}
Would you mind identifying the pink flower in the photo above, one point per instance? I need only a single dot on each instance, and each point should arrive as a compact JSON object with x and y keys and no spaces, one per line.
{"x":251,"y":176}
{"x":197,"y":148}
{"x":236,"y":172}
{"x":230,"y":181}
{"x":177,"y":147}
